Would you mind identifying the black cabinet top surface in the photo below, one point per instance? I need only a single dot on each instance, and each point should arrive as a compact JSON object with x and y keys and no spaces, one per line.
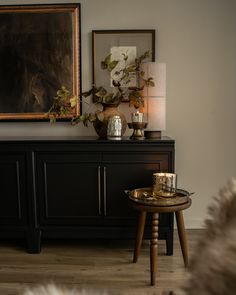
{"x":82,"y":140}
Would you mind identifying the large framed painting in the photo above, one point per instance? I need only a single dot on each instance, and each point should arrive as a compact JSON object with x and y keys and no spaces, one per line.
{"x":39,"y":53}
{"x":118,"y":43}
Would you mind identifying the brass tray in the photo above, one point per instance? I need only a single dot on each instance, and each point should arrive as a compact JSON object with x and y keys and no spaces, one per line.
{"x":146,"y":196}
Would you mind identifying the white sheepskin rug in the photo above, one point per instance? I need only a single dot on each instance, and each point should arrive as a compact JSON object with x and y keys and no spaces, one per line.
{"x":213,"y":268}
{"x":51,"y":289}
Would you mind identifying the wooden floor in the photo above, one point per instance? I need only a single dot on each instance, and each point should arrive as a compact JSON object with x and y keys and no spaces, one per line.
{"x":101,"y":265}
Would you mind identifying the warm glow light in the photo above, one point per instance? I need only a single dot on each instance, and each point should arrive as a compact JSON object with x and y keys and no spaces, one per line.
{"x":155,"y":97}
{"x":156,"y":113}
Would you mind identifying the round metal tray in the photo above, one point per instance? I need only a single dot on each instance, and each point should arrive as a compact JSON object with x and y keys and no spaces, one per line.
{"x":146,"y":196}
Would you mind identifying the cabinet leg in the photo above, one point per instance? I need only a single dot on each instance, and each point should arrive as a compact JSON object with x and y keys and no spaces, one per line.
{"x":154,"y":248}
{"x":139,"y":235}
{"x":182,"y":236}
{"x":169,"y":243}
{"x":34,"y":241}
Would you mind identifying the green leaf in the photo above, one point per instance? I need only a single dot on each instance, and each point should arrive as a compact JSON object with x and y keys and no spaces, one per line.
{"x":125,"y":56}
{"x":82,"y":117}
{"x":73,"y":101}
{"x":103,"y":65}
{"x":101,"y":92}
{"x":115,"y":83}
{"x":131,"y":68}
{"x":107,"y":58}
{"x":151,"y":83}
{"x":112,"y":65}
{"x":92,"y":118}
{"x":108,"y":98}
{"x":87,"y":93}
{"x":105,"y":62}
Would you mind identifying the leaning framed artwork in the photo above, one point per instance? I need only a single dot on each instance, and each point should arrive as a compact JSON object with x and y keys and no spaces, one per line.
{"x":118,"y":43}
{"x":39,"y":53}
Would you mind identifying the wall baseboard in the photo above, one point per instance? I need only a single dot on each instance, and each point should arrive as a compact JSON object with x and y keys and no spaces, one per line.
{"x":193,"y":223}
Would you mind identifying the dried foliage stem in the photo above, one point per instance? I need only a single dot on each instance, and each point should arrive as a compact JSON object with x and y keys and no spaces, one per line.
{"x":121,"y":71}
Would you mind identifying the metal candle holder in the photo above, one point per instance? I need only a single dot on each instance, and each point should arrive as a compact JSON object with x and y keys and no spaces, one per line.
{"x":138,"y":130}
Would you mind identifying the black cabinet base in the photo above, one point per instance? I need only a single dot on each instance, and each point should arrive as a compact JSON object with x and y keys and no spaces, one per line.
{"x":169,"y":243}
{"x":34,"y":241}
{"x":35,"y":238}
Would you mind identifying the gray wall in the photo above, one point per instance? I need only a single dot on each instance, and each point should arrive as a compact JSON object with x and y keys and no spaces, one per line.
{"x":196,"y":39}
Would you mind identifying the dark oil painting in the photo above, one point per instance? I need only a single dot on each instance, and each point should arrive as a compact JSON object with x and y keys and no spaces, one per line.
{"x":37,"y":57}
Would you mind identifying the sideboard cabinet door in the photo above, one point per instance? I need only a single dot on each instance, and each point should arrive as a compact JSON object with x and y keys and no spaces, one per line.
{"x":68,"y":188}
{"x":127,"y":171}
{"x":13,"y":199}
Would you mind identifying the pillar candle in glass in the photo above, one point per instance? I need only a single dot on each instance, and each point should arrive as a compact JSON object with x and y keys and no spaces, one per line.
{"x":137,"y":117}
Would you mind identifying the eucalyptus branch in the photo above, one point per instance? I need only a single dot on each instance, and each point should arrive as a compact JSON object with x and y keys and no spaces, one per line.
{"x":64,"y":104}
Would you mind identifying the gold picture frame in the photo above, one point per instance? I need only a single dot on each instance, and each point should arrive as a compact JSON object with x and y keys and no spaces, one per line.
{"x":39,"y":53}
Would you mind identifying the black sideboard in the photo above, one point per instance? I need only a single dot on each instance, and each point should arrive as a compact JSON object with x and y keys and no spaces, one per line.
{"x":73,"y":187}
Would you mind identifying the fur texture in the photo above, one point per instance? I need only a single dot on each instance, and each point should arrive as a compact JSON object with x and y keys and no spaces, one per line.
{"x":55,"y":290}
{"x":213,"y":268}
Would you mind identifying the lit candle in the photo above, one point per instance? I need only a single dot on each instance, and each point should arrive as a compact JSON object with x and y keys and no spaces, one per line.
{"x":137,"y":117}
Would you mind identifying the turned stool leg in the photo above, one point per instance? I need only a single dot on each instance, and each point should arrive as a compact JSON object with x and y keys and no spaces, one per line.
{"x":154,"y":248}
{"x":182,"y":236}
{"x":139,"y":235}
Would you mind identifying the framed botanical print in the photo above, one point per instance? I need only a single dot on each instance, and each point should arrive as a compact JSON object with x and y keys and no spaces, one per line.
{"x":39,"y":53}
{"x":118,"y":43}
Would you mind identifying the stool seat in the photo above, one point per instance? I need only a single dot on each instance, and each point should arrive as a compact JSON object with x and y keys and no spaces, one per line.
{"x":145,"y":204}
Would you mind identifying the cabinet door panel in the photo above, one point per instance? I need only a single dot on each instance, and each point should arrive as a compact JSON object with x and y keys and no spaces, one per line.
{"x":68,"y":190}
{"x":13,"y":189}
{"x":130,"y":174}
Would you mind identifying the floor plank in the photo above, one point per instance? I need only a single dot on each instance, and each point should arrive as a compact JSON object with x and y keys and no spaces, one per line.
{"x":99,"y":265}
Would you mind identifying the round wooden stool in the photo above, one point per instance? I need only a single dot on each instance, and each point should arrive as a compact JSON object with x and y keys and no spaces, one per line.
{"x":144,"y":204}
